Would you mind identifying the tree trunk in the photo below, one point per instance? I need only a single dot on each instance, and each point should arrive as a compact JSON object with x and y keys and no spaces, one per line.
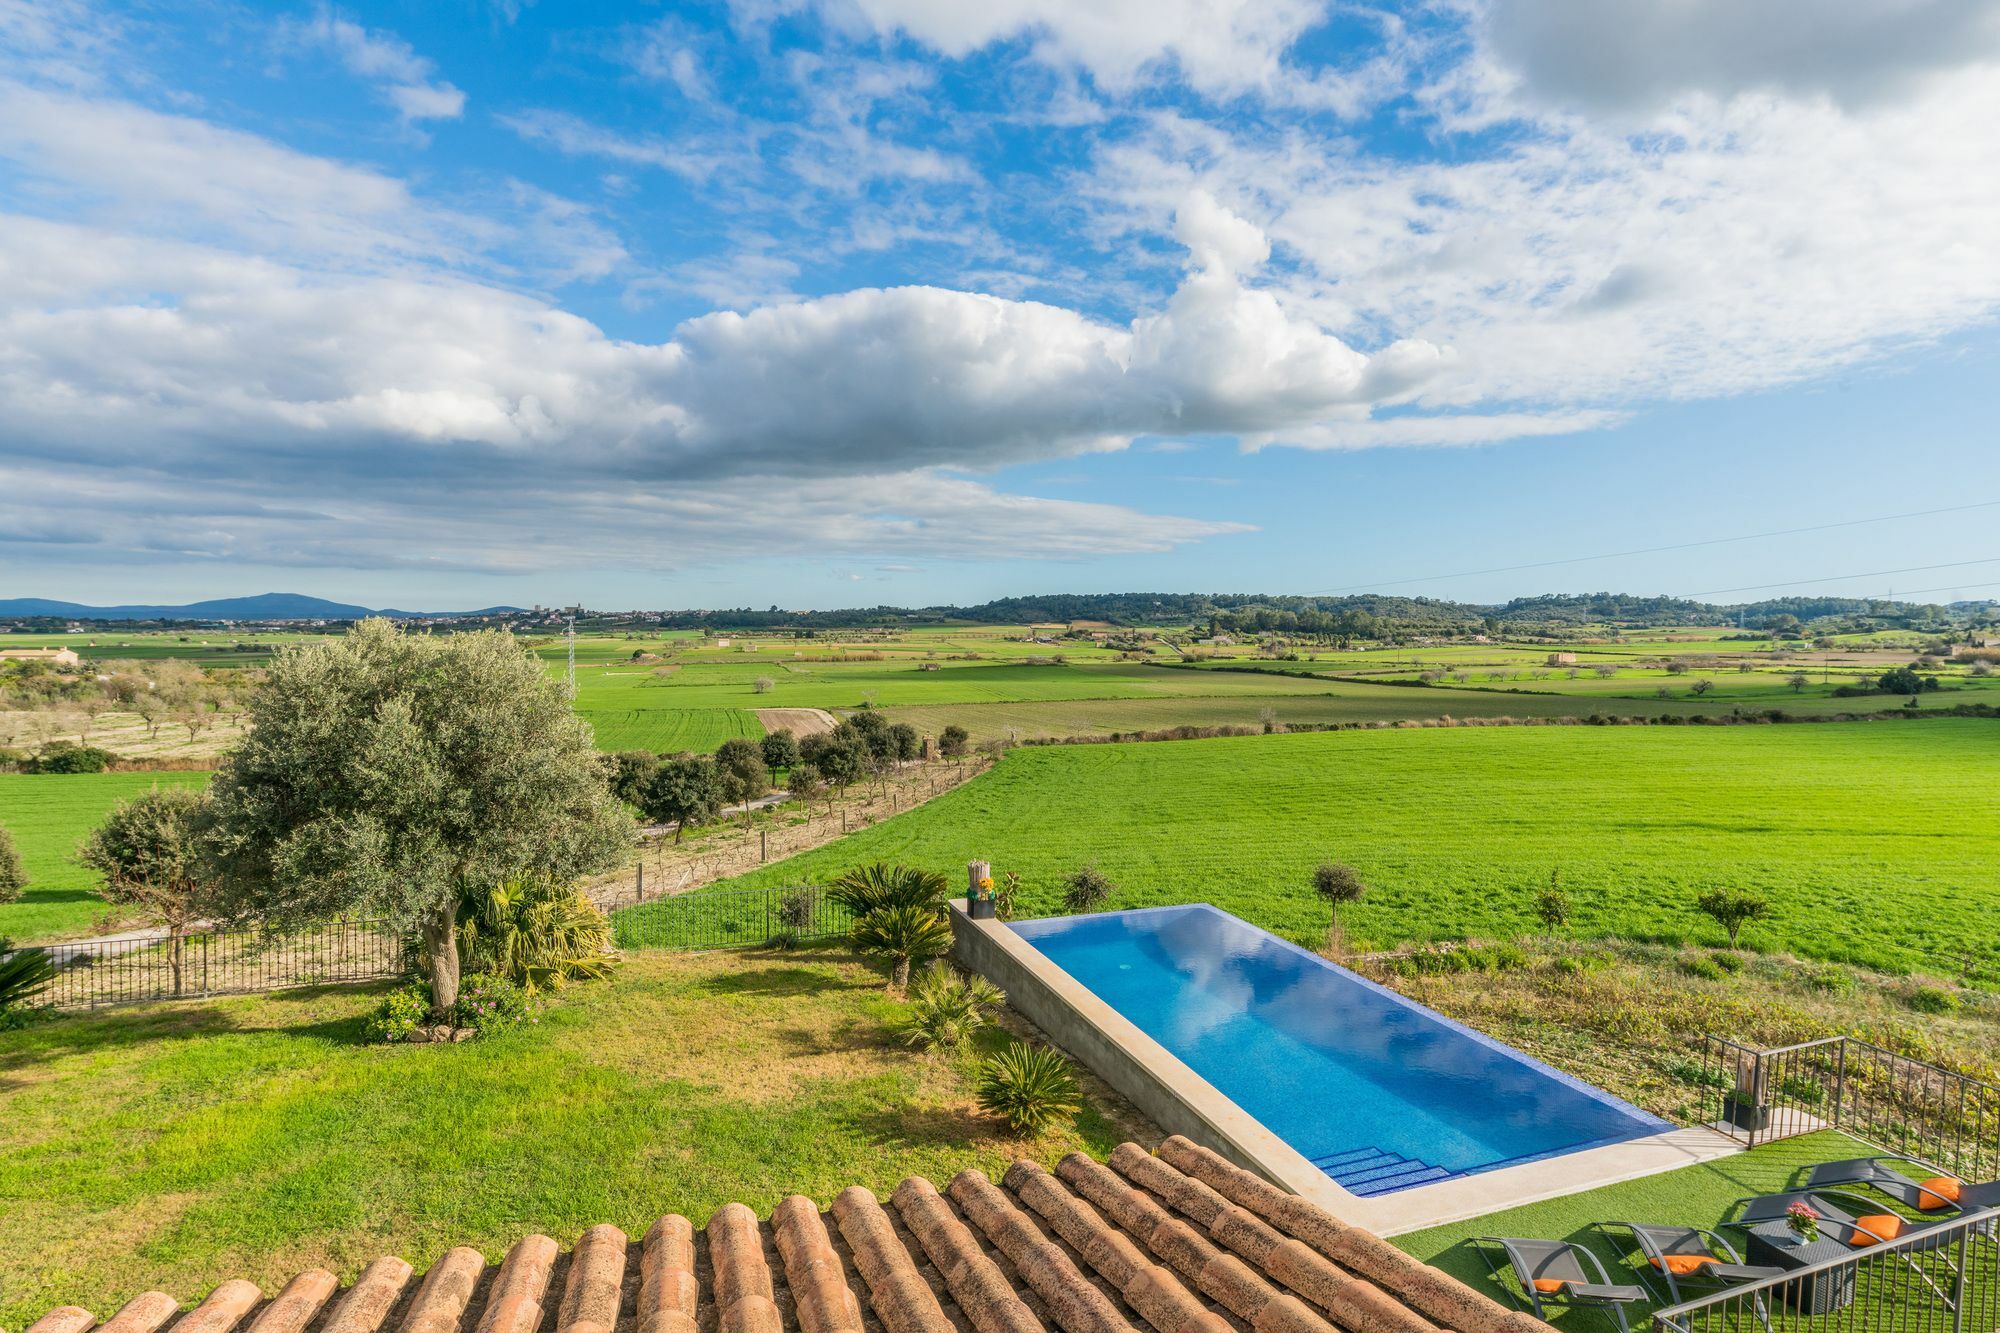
{"x":900,"y":977}
{"x":441,"y":943}
{"x":174,"y":954}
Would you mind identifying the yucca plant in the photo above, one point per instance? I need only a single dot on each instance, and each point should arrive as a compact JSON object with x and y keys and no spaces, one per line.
{"x":903,"y":934}
{"x":537,"y":933}
{"x":946,"y":1008}
{"x":24,"y":973}
{"x":1030,"y":1087}
{"x":866,"y":889}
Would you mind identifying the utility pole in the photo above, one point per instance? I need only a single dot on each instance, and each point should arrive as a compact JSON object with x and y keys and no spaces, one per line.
{"x":572,"y":659}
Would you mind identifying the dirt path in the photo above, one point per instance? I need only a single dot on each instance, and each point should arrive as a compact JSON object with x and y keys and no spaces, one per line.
{"x":803,"y":722}
{"x":726,"y":849}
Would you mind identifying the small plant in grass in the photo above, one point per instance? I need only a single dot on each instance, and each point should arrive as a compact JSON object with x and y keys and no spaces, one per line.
{"x":399,"y":1015}
{"x":1696,"y":1074}
{"x":1005,"y":896}
{"x":1336,"y":883}
{"x":798,"y":910}
{"x":1828,"y":980}
{"x":487,"y":1002}
{"x":1931,"y":1000}
{"x":1700,"y":965}
{"x":1731,"y":910}
{"x":903,"y":934}
{"x":946,"y":1008}
{"x":1030,"y":1087}
{"x":1552,"y":906}
{"x":13,"y":875}
{"x":1086,"y":890}
{"x":1728,"y":962}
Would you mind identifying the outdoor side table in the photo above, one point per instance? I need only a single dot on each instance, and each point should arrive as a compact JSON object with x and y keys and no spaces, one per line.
{"x":1774,"y":1244}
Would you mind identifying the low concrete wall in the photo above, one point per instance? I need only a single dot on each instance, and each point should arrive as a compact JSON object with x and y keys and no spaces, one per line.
{"x":1155,"y":1080}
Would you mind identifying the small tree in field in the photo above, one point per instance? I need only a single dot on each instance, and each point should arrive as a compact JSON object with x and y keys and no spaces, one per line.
{"x":1798,"y":680}
{"x":953,"y":740}
{"x":685,"y":792}
{"x":1552,"y":907}
{"x":1336,"y":883}
{"x":396,"y":774}
{"x":1731,"y":910}
{"x":740,"y":765}
{"x":151,"y":852}
{"x":13,"y":875}
{"x":780,"y":749}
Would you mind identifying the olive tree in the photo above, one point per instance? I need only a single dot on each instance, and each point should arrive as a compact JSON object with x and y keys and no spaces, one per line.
{"x":684,"y":792}
{"x":396,"y":773}
{"x":740,"y":765}
{"x":151,"y":851}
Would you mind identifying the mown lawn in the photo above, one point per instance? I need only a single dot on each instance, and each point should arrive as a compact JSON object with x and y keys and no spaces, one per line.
{"x":48,"y":814}
{"x":1873,"y":841}
{"x":177,"y":1146}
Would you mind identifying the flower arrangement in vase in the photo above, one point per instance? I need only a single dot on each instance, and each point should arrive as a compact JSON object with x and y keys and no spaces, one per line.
{"x":1802,"y":1220}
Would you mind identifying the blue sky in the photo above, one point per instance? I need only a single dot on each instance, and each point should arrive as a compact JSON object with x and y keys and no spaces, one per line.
{"x":823,"y":302}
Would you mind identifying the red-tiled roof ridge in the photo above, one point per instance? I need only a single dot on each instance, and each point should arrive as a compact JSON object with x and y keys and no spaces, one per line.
{"x":1181,"y":1242}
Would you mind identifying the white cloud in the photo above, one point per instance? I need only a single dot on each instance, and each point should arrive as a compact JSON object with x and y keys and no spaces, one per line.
{"x":406,"y":80}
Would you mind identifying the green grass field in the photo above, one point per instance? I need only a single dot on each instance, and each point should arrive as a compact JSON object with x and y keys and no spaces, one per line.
{"x":48,"y":814}
{"x":1873,"y":841}
{"x":175,"y":1146}
{"x":666,"y":730}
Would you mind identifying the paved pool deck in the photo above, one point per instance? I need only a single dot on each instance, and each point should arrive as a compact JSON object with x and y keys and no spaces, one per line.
{"x":1180,"y":1101}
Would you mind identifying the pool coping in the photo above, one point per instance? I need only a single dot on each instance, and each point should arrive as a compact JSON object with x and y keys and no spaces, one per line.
{"x":1181,"y":1101}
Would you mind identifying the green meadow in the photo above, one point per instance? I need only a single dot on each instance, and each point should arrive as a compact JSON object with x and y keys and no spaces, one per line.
{"x":48,"y":814}
{"x":1873,"y":841}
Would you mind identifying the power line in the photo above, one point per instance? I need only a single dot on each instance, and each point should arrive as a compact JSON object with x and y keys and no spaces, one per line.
{"x":1655,"y":550}
{"x":1835,"y":578}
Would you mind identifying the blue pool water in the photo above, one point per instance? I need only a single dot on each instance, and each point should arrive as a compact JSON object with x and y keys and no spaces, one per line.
{"x":1377,"y":1091}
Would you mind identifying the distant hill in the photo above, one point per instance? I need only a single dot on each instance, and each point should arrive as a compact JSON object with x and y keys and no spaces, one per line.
{"x":265,"y":606}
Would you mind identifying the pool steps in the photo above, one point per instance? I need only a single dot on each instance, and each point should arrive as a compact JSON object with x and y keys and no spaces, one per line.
{"x":1370,"y":1171}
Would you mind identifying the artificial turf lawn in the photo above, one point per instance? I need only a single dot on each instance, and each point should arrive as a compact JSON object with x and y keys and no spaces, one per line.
{"x":1872,"y":841}
{"x":176,"y":1146}
{"x":1695,"y":1196}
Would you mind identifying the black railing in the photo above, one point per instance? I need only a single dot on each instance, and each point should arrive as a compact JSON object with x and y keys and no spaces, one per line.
{"x":731,"y":918}
{"x":90,"y":974}
{"x":1907,"y":1106}
{"x":1937,"y":1278}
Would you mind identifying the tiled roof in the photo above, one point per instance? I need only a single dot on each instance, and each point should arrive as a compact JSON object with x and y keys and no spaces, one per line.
{"x":1182,"y":1242}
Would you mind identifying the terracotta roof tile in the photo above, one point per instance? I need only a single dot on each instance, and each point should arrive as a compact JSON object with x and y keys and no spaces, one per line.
{"x":1184,"y":1242}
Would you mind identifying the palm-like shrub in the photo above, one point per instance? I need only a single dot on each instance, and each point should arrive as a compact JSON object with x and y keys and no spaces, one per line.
{"x":23,"y":974}
{"x":869,"y":888}
{"x":536,"y":933}
{"x":1030,"y":1087}
{"x":946,"y":1008}
{"x":903,"y":934}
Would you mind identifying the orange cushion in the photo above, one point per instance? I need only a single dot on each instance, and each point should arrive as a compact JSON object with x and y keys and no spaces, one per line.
{"x":1680,"y":1265}
{"x":1938,"y":1192}
{"x":1546,"y":1284}
{"x":1875,"y":1227}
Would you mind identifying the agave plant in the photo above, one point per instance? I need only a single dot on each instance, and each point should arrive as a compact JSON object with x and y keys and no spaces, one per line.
{"x":870,"y":888}
{"x":903,"y":933}
{"x":537,"y":933}
{"x":1030,"y":1087}
{"x":946,"y":1008}
{"x":24,"y":973}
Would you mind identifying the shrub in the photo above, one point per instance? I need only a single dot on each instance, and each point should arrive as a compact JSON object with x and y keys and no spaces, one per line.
{"x":904,"y":935}
{"x":13,"y":875}
{"x":1828,"y":980}
{"x":798,"y":911}
{"x":69,"y":757}
{"x":1698,"y":1075}
{"x":535,"y":933}
{"x":1731,"y":910}
{"x":1728,"y":962}
{"x":1552,"y":906}
{"x":487,"y":1003}
{"x":946,"y":1008}
{"x":1336,"y":883}
{"x":401,"y":1013}
{"x":1931,"y":1000}
{"x":24,"y":974}
{"x":1030,"y":1087}
{"x":1802,"y":1089}
{"x":953,"y":740}
{"x":632,"y":772}
{"x":1086,"y":890}
{"x":1005,"y":897}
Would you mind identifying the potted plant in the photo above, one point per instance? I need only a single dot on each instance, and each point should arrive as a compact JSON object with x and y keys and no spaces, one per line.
{"x":1743,"y":1105}
{"x":1802,"y":1220}
{"x":979,"y":903}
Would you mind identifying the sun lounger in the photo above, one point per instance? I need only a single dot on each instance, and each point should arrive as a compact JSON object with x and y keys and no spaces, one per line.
{"x":1553,"y":1272}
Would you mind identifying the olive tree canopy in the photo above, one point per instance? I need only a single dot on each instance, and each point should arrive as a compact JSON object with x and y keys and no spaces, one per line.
{"x":390,"y":773}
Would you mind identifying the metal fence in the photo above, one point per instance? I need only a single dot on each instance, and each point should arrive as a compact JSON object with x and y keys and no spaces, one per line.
{"x":91,"y":974}
{"x":731,"y":918}
{"x":1908,"y":1106}
{"x":1939,"y":1278}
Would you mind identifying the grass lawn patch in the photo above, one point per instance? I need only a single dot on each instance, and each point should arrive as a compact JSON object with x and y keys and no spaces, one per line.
{"x":1869,"y":839}
{"x":49,"y":814}
{"x":175,"y":1146}
{"x":1698,"y":1196}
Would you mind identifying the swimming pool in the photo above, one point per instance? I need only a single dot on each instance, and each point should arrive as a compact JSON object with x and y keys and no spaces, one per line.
{"x":1379,"y":1092}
